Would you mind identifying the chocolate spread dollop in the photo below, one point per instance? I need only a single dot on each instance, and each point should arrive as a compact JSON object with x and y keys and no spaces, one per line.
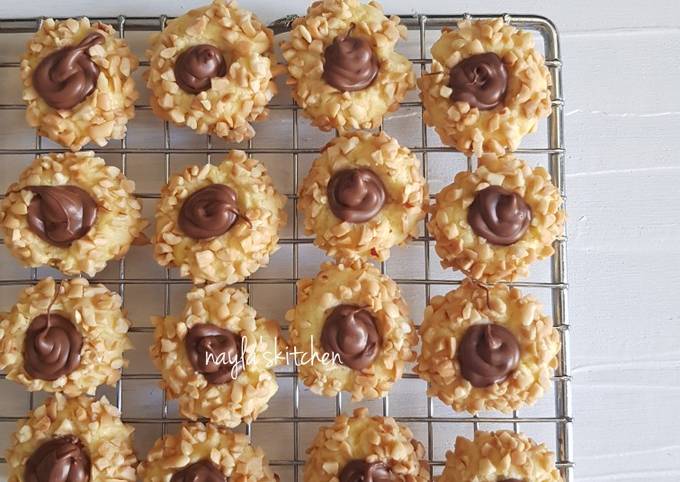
{"x":352,"y":333}
{"x":350,"y":63}
{"x":359,"y":470}
{"x":209,"y":212}
{"x":214,"y":352}
{"x":61,"y":214}
{"x":480,"y":80}
{"x":52,"y":347}
{"x":61,"y":459}
{"x":197,"y":66}
{"x":67,"y":76}
{"x":355,"y":195}
{"x":488,"y":354}
{"x":499,"y":215}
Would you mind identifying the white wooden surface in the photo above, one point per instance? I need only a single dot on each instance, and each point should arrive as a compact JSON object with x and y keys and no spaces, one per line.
{"x":622,"y":84}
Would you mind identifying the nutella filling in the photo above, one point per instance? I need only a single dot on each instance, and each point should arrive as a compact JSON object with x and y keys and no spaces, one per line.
{"x":61,"y":459}
{"x":214,"y":352}
{"x":60,"y":214}
{"x":355,"y":195}
{"x":209,"y":212}
{"x":487,"y":354}
{"x":361,"y":471}
{"x":351,"y":333}
{"x":52,"y":347}
{"x":201,"y":471}
{"x":480,"y":80}
{"x":499,"y":215}
{"x":67,"y":76}
{"x":350,"y":63}
{"x":197,"y":66}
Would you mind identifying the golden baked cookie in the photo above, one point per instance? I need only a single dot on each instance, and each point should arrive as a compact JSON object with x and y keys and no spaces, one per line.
{"x":493,"y":222}
{"x":501,"y":456}
{"x":72,"y":212}
{"x":77,"y":82}
{"x":487,"y":87}
{"x":206,"y":453}
{"x":219,"y":357}
{"x":361,"y":448}
{"x":364,"y":194}
{"x":212,"y":70}
{"x":67,"y":336}
{"x":343,"y":69}
{"x":219,"y":222}
{"x":72,"y":439}
{"x":351,"y":331}
{"x":487,"y":348}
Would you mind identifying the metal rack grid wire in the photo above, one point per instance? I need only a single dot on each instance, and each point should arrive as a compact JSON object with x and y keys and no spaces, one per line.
{"x":557,"y":285}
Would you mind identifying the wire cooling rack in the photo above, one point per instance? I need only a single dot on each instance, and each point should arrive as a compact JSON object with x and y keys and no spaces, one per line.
{"x":149,"y":158}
